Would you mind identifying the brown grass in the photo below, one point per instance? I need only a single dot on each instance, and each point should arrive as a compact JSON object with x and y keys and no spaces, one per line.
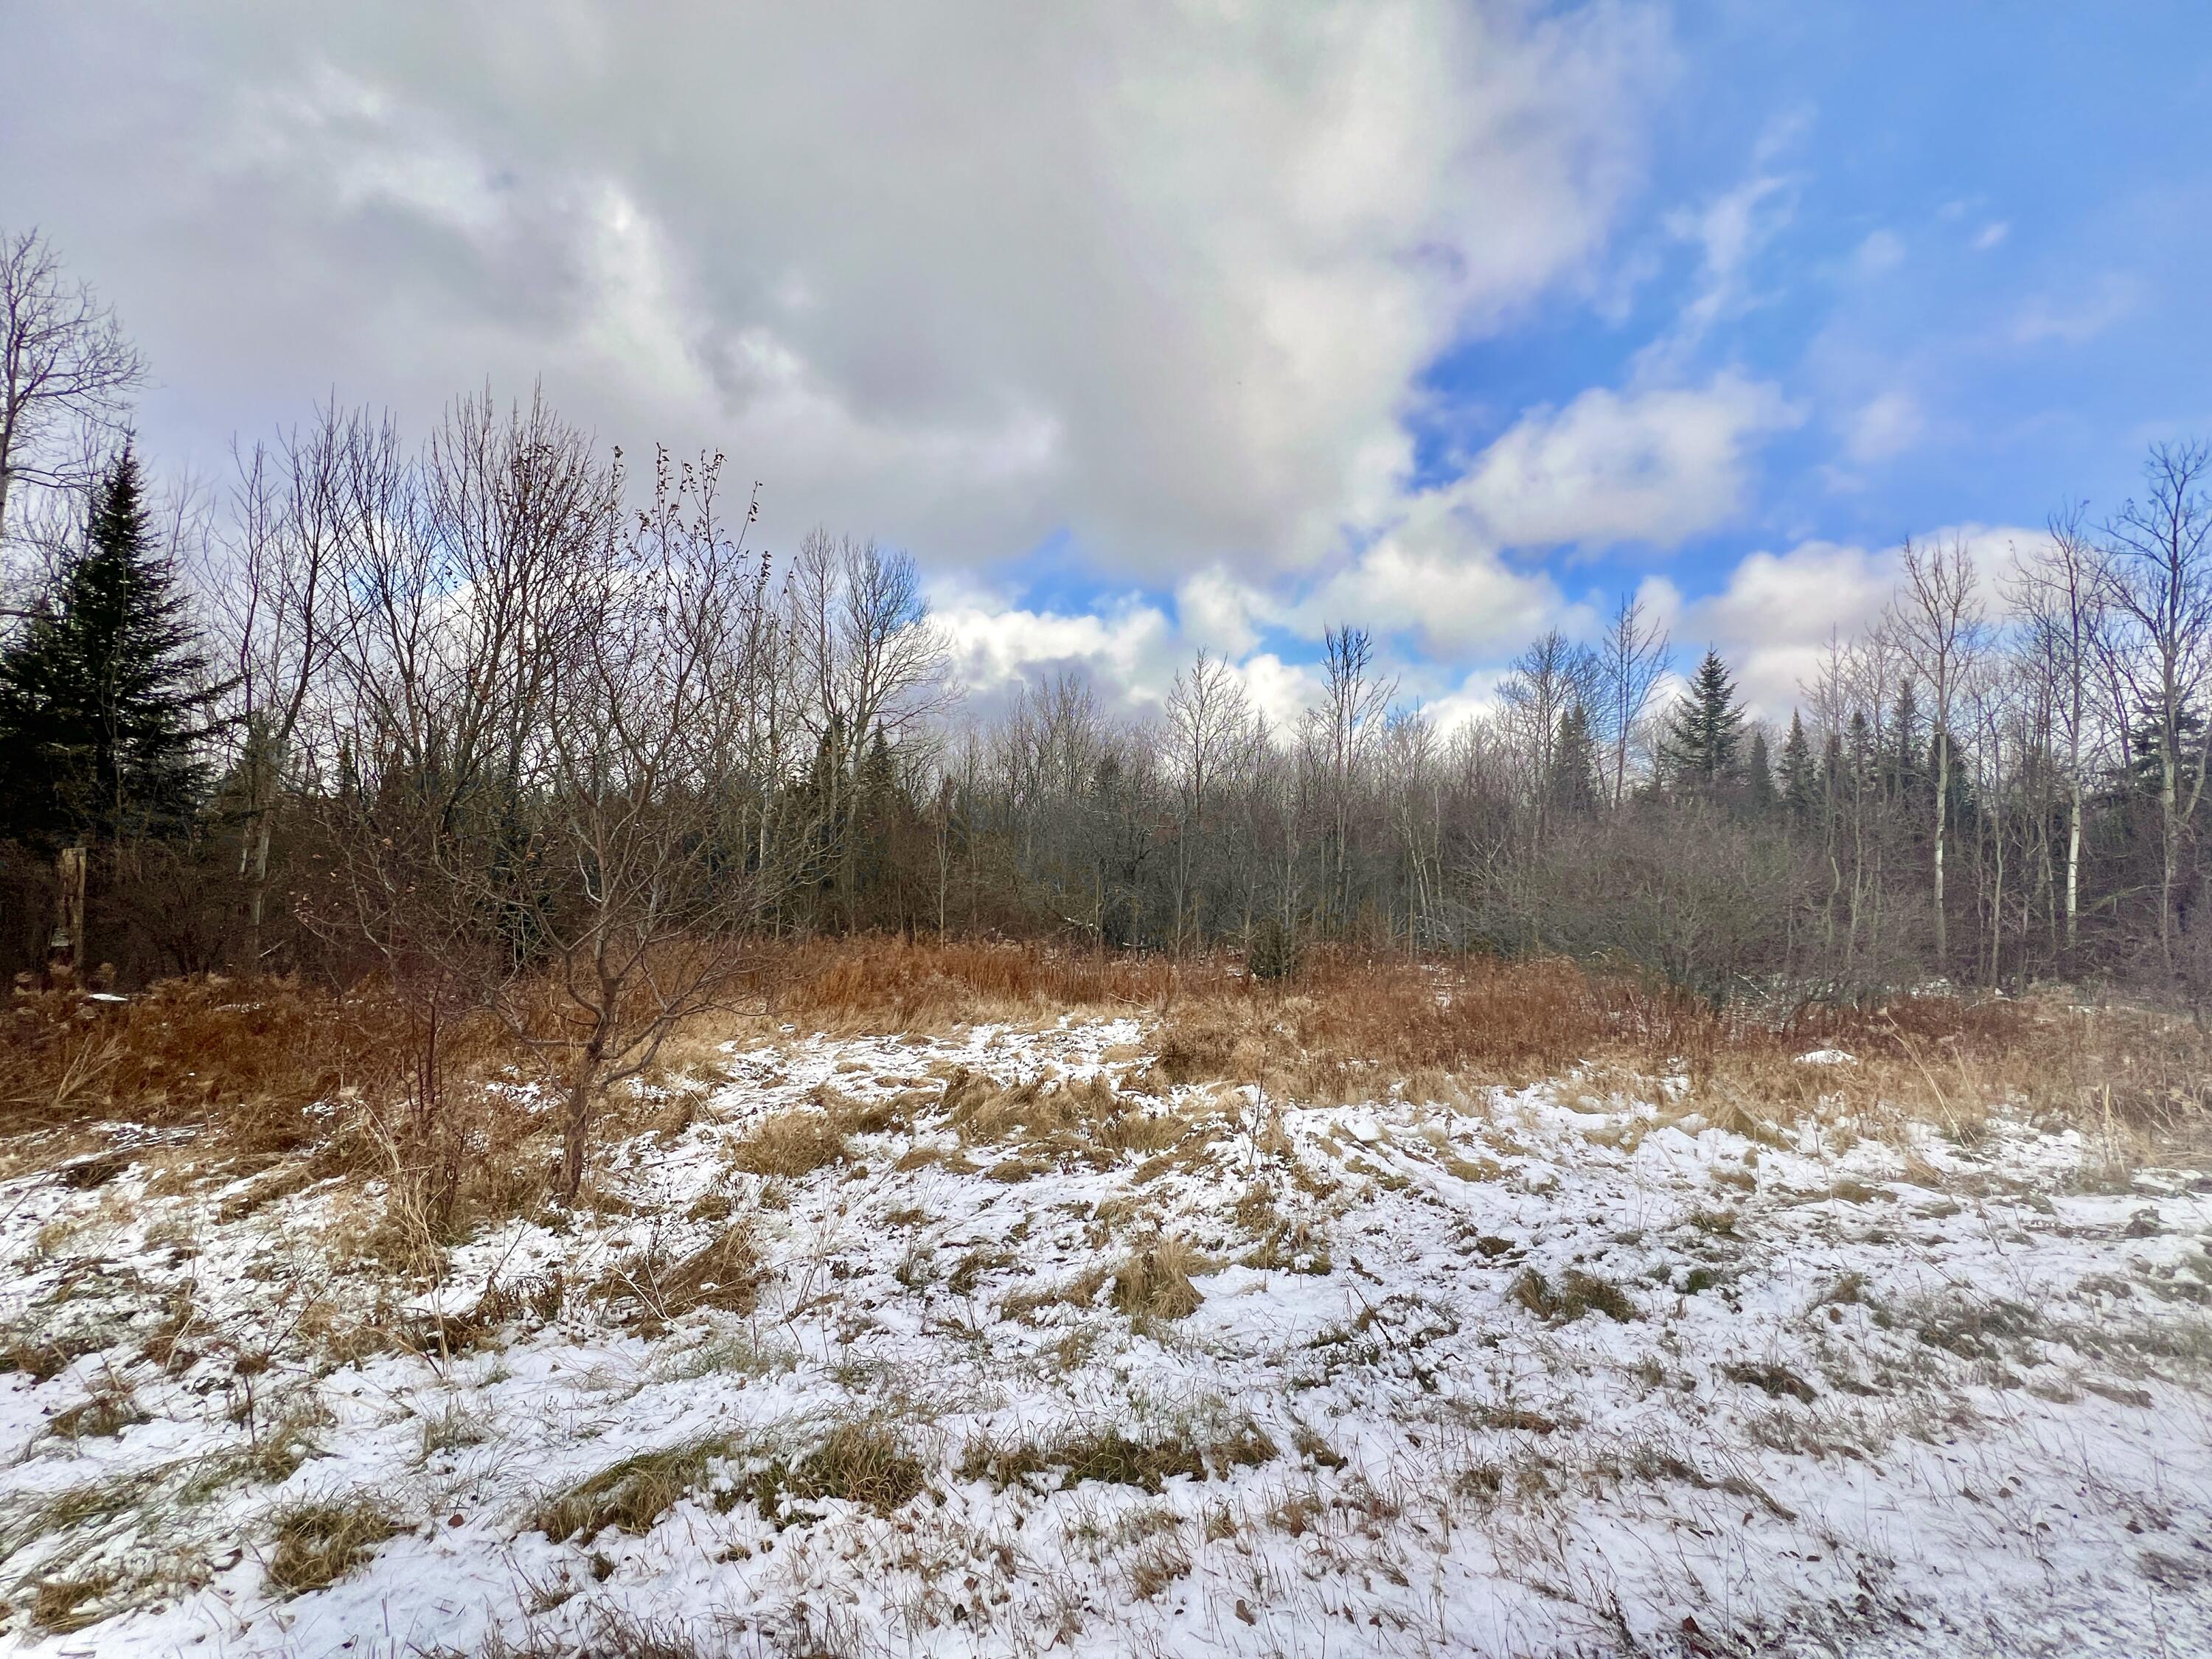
{"x":632,"y":1495}
{"x":900,"y":985}
{"x":1351,"y":1026}
{"x":1110,"y":1455}
{"x":240,"y":1064}
{"x":723,"y":1273}
{"x":318,"y":1543}
{"x":1155,"y":1282}
{"x":1577,"y":1293}
{"x":791,"y":1144}
{"x":863,"y":1463}
{"x":249,"y":1055}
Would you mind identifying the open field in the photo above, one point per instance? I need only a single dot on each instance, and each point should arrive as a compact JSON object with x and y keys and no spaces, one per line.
{"x":978,"y":1300}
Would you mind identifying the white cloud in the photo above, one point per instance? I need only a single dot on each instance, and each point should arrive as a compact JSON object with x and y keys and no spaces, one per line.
{"x":1429,"y":580}
{"x":1991,"y":234}
{"x":1882,"y":253}
{"x":1128,"y":649}
{"x":1222,"y":612}
{"x":1657,"y":465}
{"x":1729,"y":231}
{"x":2077,"y":319}
{"x":1163,"y":279}
{"x":1776,"y":616}
{"x":1885,"y":425}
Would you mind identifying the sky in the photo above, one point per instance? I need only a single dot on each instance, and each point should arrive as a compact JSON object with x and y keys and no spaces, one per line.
{"x":1149,"y":328}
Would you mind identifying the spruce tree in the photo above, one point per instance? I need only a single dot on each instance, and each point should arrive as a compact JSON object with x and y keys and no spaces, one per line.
{"x":99,"y":696}
{"x":1701,"y":748}
{"x":1574,"y":766}
{"x":1861,"y":760}
{"x":1759,"y":775}
{"x":1907,"y":749}
{"x":1800,"y":784}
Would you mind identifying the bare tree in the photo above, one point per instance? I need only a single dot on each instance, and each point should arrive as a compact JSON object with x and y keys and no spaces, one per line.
{"x":1340,"y":739}
{"x":2059,"y":597}
{"x":1544,"y":683}
{"x":65,"y":368}
{"x":1632,"y":658}
{"x":870,"y":662}
{"x":2160,"y":579}
{"x":1936,"y":623}
{"x":1206,"y":711}
{"x":280,"y":603}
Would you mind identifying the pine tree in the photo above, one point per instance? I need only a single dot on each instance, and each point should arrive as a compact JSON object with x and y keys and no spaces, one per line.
{"x":1700,"y":750}
{"x":99,"y":737}
{"x":1801,"y":783}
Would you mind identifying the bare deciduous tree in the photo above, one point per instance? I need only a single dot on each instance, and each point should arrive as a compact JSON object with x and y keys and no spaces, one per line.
{"x":2058,"y":596}
{"x":1631,"y":660}
{"x":1936,"y":623}
{"x":64,"y":367}
{"x":2160,"y":581}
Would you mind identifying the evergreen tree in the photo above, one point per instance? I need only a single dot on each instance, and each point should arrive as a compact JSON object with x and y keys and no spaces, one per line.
{"x":99,"y":695}
{"x":1574,"y":766}
{"x":881,"y":813}
{"x":2146,"y":744}
{"x":1759,"y":775}
{"x":1701,"y":748}
{"x":1800,"y":784}
{"x":1906,"y":772}
{"x":1859,"y":759}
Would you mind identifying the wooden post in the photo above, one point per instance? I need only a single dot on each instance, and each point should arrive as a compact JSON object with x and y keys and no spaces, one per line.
{"x":65,"y":952}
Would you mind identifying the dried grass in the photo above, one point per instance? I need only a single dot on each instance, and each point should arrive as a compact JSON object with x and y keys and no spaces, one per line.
{"x":791,"y":1145}
{"x":1112,"y":1456}
{"x":632,"y":1495}
{"x":317,"y":1543}
{"x":884,"y":984}
{"x":723,"y":1274}
{"x":1155,"y":1282}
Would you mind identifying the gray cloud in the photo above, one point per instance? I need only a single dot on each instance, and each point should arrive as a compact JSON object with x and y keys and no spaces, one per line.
{"x":964,"y":275}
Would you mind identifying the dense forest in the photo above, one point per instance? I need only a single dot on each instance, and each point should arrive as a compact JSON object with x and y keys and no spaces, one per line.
{"x":489,"y":704}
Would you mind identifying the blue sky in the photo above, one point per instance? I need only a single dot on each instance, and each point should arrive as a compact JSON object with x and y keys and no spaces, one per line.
{"x":1147,"y":328}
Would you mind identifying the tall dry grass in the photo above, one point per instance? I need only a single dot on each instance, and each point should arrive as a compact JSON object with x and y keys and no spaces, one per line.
{"x":266,"y":1069}
{"x":896,"y":984}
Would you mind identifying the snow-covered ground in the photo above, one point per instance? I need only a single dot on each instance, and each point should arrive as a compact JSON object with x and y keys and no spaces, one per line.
{"x":1555,"y":1371}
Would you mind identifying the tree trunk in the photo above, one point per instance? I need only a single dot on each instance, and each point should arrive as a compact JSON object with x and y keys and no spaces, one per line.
{"x":1942,"y":803}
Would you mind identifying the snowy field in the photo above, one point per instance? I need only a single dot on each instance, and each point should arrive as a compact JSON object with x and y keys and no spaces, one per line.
{"x":992,"y":1343}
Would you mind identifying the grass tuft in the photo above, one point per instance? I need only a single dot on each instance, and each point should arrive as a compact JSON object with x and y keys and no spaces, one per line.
{"x":317,"y":1543}
{"x":1155,"y":1282}
{"x":1113,"y":1457}
{"x":1577,"y":1293}
{"x":632,"y":1495}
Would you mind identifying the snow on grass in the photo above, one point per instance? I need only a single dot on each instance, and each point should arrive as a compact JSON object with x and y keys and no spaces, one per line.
{"x":988,"y":1350}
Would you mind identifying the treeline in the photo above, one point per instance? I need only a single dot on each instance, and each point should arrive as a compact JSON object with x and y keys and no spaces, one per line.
{"x":488,"y":717}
